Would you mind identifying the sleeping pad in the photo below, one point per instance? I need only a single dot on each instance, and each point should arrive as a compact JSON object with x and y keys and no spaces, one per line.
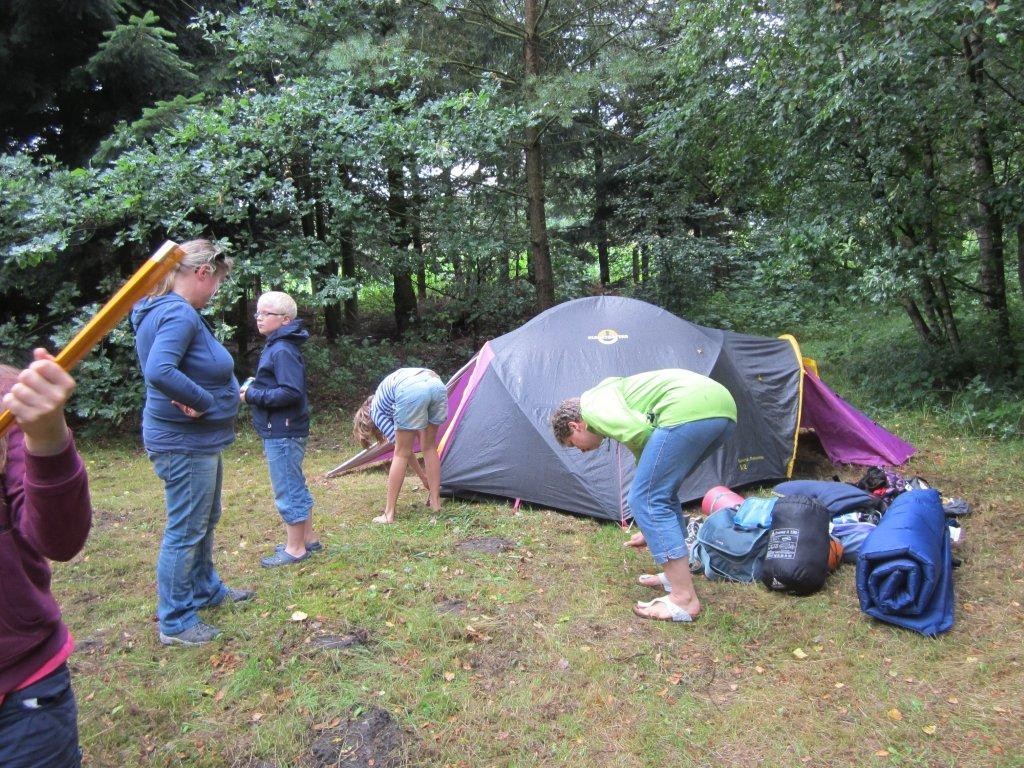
{"x":905,"y":567}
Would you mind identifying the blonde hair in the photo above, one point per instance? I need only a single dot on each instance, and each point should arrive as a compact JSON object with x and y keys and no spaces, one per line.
{"x":281,"y":302}
{"x":363,"y":428}
{"x":8,"y":378}
{"x":197,"y":253}
{"x":568,"y":410}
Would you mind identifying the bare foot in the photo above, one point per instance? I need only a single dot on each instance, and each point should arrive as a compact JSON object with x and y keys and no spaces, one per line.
{"x":654,"y":580}
{"x":383,"y":518}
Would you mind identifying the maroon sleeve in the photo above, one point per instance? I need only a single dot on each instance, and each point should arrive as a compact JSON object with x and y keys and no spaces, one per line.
{"x":50,"y":505}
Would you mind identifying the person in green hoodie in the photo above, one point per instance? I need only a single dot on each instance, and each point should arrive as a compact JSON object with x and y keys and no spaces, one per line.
{"x":671,"y":420}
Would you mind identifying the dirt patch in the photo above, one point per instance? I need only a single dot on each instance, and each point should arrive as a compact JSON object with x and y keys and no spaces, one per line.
{"x":451,"y":606}
{"x":489,"y":544}
{"x":330,"y":642}
{"x":368,"y":737}
{"x":334,"y":642}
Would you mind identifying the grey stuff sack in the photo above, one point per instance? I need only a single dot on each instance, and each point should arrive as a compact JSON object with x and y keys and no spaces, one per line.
{"x":728,"y":553}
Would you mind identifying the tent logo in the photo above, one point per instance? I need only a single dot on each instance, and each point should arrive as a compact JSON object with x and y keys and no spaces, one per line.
{"x":607,"y":336}
{"x":745,"y":462}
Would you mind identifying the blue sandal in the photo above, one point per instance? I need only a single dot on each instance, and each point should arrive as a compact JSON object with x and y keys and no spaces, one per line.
{"x":313,"y":546}
{"x":281,"y":557}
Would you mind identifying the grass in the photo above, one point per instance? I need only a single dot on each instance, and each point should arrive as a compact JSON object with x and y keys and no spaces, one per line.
{"x":530,"y":656}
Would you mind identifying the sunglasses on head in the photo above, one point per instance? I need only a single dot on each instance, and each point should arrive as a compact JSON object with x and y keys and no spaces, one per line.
{"x":212,"y":262}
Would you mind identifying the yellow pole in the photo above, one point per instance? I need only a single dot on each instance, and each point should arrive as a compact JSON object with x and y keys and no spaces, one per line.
{"x":166,"y":258}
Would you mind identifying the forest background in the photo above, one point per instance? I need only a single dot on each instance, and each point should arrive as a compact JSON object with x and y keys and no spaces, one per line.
{"x":424,"y":175}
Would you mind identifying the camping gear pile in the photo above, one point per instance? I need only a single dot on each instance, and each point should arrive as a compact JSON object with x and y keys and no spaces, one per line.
{"x":900,"y":535}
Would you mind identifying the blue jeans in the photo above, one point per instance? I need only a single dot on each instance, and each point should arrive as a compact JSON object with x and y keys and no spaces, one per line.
{"x":185,"y":577}
{"x":39,"y":725}
{"x":669,"y":456}
{"x":291,"y":495}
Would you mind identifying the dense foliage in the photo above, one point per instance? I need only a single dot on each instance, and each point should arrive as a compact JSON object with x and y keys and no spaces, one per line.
{"x":462,"y":164}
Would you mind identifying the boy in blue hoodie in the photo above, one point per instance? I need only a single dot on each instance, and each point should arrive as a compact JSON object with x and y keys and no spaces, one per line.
{"x":279,"y":407}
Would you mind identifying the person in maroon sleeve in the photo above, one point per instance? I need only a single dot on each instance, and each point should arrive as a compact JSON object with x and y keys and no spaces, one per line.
{"x":45,"y":513}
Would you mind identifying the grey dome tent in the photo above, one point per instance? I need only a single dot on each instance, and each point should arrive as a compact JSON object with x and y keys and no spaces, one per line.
{"x":498,"y":442}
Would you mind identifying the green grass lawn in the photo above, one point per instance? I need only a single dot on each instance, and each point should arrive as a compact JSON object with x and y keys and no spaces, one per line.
{"x":528,"y":655}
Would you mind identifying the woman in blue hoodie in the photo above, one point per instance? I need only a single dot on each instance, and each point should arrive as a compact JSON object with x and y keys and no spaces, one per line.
{"x":188,"y":419}
{"x":280,"y":413}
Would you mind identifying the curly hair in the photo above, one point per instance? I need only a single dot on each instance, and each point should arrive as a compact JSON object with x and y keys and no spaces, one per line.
{"x":363,"y":428}
{"x":568,"y":410}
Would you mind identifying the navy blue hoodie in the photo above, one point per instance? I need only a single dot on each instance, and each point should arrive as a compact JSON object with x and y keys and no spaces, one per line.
{"x":182,"y":360}
{"x":277,"y":395}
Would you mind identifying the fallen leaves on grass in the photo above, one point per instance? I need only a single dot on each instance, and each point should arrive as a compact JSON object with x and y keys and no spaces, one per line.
{"x":474,"y":635}
{"x":332,"y":723}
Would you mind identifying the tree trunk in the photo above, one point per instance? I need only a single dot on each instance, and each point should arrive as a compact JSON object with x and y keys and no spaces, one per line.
{"x":325,"y":272}
{"x":923,"y":331}
{"x":540,"y":254}
{"x":946,"y":312}
{"x":415,"y":219}
{"x":348,"y":272}
{"x":242,"y":331}
{"x":943,"y":303}
{"x":404,"y":294}
{"x":1020,"y":258}
{"x":600,"y":225}
{"x":989,"y":225}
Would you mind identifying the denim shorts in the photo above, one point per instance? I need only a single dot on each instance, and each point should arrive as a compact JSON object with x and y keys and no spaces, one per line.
{"x":291,"y":494}
{"x":420,"y":401}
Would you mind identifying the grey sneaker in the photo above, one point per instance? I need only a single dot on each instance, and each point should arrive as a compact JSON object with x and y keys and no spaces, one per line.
{"x":200,"y":634}
{"x":238,"y":595}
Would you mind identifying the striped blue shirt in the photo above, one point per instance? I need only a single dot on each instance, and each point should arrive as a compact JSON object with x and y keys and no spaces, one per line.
{"x":382,"y":409}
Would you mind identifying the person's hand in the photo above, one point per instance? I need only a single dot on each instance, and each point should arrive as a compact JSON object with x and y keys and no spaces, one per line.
{"x":636,"y":541}
{"x":245,"y":388}
{"x":187,"y":409}
{"x":37,"y":402}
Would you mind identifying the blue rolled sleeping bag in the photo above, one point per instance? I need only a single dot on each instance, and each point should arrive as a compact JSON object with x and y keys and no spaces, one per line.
{"x":905,"y":567}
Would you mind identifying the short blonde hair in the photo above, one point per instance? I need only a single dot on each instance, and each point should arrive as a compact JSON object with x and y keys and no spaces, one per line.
{"x":280,"y":302}
{"x":197,"y":253}
{"x":363,"y":428}
{"x":568,"y":410}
